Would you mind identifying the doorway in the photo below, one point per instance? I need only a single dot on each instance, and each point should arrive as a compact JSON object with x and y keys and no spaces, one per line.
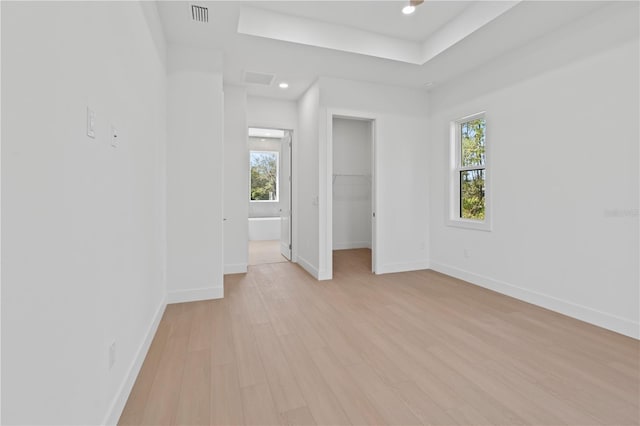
{"x":352,"y":193}
{"x":269,"y":195}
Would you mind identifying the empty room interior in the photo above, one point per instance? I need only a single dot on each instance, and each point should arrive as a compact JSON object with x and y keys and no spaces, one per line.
{"x":320,"y":212}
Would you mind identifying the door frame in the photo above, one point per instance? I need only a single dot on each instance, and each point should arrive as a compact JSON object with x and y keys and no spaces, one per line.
{"x":326,"y":243}
{"x":294,"y":179}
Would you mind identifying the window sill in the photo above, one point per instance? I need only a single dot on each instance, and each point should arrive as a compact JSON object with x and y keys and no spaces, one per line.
{"x":470,"y":224}
{"x":264,"y":201}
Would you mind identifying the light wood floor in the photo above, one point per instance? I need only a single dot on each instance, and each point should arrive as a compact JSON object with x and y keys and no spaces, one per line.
{"x":405,"y":349}
{"x":261,"y":252}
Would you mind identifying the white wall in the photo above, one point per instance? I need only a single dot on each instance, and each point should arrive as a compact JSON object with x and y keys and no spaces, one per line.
{"x":236,"y":180}
{"x":307,"y":181}
{"x":401,"y":170}
{"x":271,"y":113}
{"x":280,"y":114}
{"x":352,"y":143}
{"x":241,"y":112}
{"x":82,"y":239}
{"x":564,"y":170}
{"x":194,"y":175}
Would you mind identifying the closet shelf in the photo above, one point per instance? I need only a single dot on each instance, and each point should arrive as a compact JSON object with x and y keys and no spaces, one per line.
{"x":367,"y":178}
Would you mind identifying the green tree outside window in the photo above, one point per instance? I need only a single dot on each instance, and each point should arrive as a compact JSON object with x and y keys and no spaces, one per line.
{"x":264,"y":175}
{"x":472,"y":180}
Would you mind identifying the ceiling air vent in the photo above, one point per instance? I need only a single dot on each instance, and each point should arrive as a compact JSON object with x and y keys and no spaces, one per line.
{"x":199,"y":13}
{"x":263,"y":79}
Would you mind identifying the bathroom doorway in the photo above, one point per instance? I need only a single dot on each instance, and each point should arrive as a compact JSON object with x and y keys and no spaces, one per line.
{"x":270,"y":209}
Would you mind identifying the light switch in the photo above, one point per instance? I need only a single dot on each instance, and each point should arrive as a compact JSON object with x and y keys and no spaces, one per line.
{"x":91,"y":123}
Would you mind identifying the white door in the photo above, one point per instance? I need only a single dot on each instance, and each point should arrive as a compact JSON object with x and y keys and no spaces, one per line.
{"x":285,"y":196}
{"x":372,"y":128}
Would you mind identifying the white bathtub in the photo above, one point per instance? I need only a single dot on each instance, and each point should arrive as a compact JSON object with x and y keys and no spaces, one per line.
{"x":264,"y":228}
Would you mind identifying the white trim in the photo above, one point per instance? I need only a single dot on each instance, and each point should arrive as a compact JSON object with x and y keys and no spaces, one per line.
{"x":565,"y":307}
{"x":325,"y":215}
{"x":236,"y":268}
{"x":196,"y":294}
{"x":352,"y":245}
{"x":453,"y":181}
{"x":293,"y":128}
{"x":470,"y":223}
{"x":119,"y":401}
{"x":307,"y":266}
{"x":325,"y":275}
{"x":391,"y":268}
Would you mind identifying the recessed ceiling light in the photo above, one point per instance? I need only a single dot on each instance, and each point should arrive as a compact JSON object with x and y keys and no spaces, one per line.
{"x":408,"y":10}
{"x":428,"y":84}
{"x":283,"y":85}
{"x":263,"y":140}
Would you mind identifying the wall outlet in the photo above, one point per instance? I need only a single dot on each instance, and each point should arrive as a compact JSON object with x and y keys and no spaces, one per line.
{"x":467,"y":253}
{"x":91,"y":123}
{"x":112,"y":354}
{"x":114,"y":136}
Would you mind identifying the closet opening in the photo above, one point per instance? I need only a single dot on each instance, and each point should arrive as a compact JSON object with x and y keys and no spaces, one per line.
{"x":269,"y":195}
{"x":352,"y":194}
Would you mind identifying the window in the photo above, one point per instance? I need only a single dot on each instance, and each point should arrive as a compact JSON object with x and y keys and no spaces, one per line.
{"x":469,"y":207}
{"x":263,"y":167}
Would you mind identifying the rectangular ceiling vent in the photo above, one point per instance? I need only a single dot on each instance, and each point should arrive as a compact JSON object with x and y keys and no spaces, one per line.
{"x":261,"y":78}
{"x":199,"y":13}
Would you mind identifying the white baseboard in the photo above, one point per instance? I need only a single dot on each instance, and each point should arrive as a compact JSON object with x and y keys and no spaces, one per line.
{"x":351,"y":245}
{"x":118,"y":403}
{"x":308,"y":267}
{"x":193,"y":295}
{"x":238,"y":268}
{"x":325,"y":275}
{"x":390,"y":268}
{"x":583,"y":313}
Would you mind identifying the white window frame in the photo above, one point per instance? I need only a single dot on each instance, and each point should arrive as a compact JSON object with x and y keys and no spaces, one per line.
{"x":263,"y":151}
{"x":455,"y":167}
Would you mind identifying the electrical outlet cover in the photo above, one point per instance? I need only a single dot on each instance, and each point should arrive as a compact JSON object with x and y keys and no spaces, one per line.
{"x":112,"y":354}
{"x":91,"y":123}
{"x":114,"y":137}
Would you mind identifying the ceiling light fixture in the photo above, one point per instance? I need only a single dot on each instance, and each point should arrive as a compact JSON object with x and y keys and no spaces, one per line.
{"x":411,"y":7}
{"x":408,"y":10}
{"x":283,"y":85}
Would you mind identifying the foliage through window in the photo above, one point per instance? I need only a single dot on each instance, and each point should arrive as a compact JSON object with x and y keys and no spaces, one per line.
{"x":469,"y":184}
{"x":263,"y":166}
{"x":472,"y":171}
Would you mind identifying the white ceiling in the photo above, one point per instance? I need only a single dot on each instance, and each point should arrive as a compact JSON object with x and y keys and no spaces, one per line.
{"x":382,"y":17}
{"x":457,"y":45}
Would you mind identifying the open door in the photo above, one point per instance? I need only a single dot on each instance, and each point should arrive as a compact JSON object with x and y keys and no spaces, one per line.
{"x":285,"y":196}
{"x":372,"y":129}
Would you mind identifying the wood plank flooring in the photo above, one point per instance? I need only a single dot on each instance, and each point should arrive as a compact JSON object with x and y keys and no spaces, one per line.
{"x":268,"y":251}
{"x":397,"y":349}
